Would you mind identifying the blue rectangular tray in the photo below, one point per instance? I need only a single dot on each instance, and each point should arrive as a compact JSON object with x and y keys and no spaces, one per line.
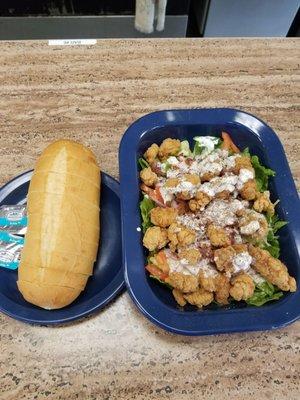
{"x":155,"y":301}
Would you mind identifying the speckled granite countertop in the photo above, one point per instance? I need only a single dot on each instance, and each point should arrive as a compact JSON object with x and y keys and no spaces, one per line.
{"x":92,"y":94}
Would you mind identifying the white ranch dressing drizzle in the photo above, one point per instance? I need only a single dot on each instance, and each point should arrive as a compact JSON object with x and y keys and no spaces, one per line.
{"x":250,"y":228}
{"x":222,"y":212}
{"x":241,"y":262}
{"x":192,"y":222}
{"x":214,"y":161}
{"x":244,"y":176}
{"x":219,"y":184}
{"x":184,"y":267}
{"x":165,"y":194}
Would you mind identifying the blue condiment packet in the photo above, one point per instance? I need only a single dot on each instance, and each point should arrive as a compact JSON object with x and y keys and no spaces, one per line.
{"x":10,"y":250}
{"x":13,"y":219}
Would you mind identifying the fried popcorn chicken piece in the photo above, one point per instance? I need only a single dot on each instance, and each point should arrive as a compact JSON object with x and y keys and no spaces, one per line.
{"x":199,"y":298}
{"x":148,"y":176}
{"x":163,"y":216}
{"x":179,"y":297}
{"x":222,"y":291}
{"x":203,"y":197}
{"x":192,"y":178}
{"x":152,"y":152}
{"x":223,"y":258}
{"x":208,"y":283}
{"x":224,"y":195}
{"x":182,"y":282}
{"x":263,"y":203}
{"x":173,"y":230}
{"x":242,"y":162}
{"x":292,"y":284}
{"x":155,"y":238}
{"x":207,"y":176}
{"x":253,"y":224}
{"x":263,"y":230}
{"x":185,"y":195}
{"x":218,"y":236}
{"x":191,"y":255}
{"x":272,"y":269}
{"x":171,"y":182}
{"x":249,"y":190}
{"x":200,"y":201}
{"x":180,"y":236}
{"x":160,"y":261}
{"x":169,"y":147}
{"x":242,"y":287}
{"x":186,"y":237}
{"x":194,"y":205}
{"x":182,"y":207}
{"x":240,"y":247}
{"x":206,"y":250}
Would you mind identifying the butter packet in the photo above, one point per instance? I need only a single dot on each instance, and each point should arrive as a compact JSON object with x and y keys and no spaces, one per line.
{"x":13,"y":219}
{"x":10,"y":250}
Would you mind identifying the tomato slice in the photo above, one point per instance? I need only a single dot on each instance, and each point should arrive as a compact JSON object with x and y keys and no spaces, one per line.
{"x":153,"y":270}
{"x":161,"y":257}
{"x":154,"y":194}
{"x":158,"y":196}
{"x":228,"y":143}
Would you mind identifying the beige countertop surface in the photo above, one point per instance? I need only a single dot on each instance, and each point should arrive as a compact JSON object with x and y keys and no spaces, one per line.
{"x":92,"y":94}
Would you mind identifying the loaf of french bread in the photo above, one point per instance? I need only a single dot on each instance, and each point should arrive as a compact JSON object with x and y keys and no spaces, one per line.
{"x":63,"y":230}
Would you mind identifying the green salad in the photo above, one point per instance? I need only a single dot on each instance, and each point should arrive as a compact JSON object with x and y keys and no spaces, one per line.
{"x":209,"y":225}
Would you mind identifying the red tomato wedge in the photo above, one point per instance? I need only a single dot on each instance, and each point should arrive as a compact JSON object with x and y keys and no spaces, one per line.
{"x":228,"y":143}
{"x":154,"y":194}
{"x":153,"y":270}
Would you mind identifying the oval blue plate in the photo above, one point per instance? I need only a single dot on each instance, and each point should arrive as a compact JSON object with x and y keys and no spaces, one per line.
{"x":155,"y":301}
{"x":107,"y":280}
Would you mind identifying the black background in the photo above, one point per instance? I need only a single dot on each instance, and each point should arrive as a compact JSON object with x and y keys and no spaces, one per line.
{"x":81,"y":7}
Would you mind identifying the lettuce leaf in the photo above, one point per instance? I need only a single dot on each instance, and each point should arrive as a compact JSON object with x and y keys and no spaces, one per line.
{"x":262,"y":174}
{"x":197,"y":149}
{"x":263,"y":293}
{"x":185,"y":149}
{"x":165,"y":166}
{"x":160,"y":281}
{"x":143,"y":163}
{"x":205,"y":143}
{"x":272,"y":243}
{"x":246,"y":152}
{"x":149,"y":256}
{"x":275,"y":223}
{"x":146,"y":206}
